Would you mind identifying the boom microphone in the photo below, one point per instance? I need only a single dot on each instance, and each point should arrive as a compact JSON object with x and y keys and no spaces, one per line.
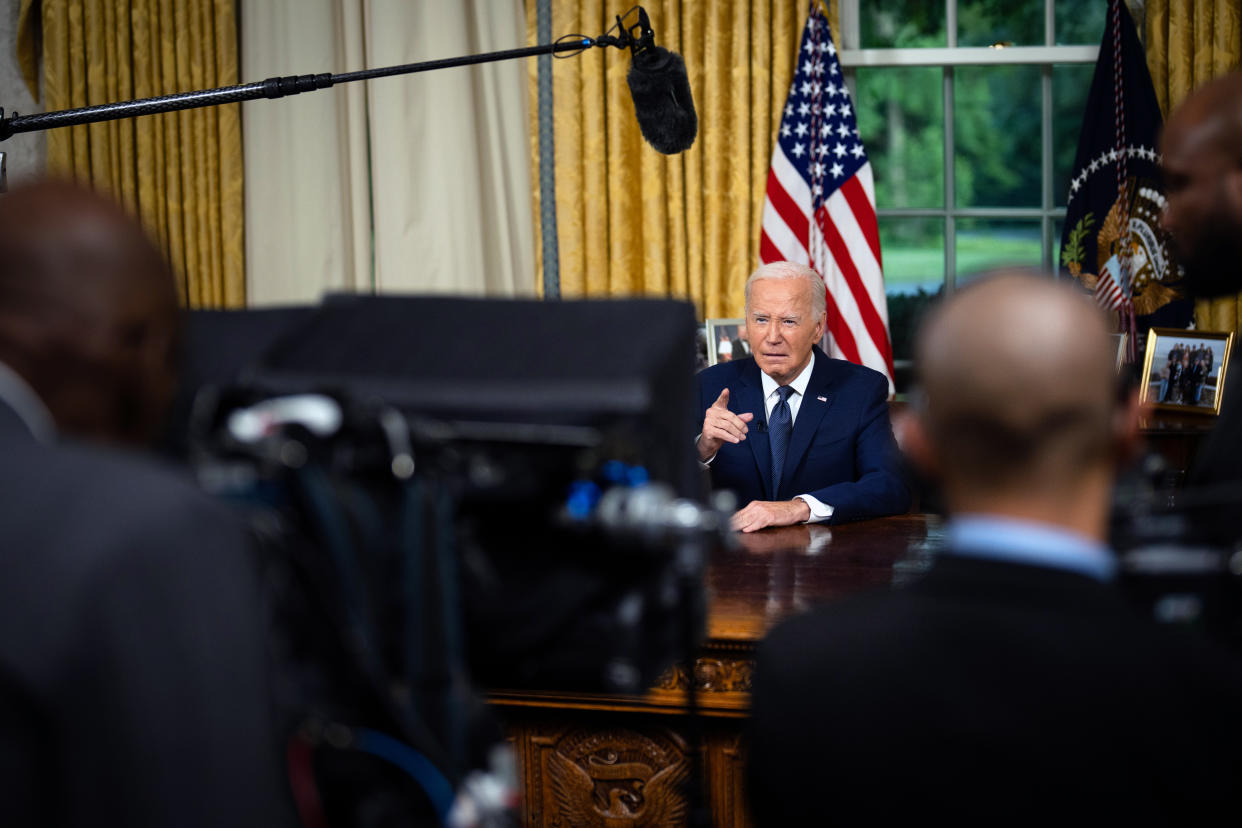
{"x":662,"y":101}
{"x":658,"y":85}
{"x":657,"y":78}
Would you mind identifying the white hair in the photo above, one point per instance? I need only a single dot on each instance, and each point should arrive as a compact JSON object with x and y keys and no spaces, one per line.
{"x":792,"y":270}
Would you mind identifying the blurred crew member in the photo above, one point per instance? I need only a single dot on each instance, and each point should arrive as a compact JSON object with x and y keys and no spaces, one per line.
{"x":132,"y":671}
{"x":1202,"y":161}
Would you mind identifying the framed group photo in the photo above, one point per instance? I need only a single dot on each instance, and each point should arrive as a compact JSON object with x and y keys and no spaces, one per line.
{"x":1185,"y":370}
{"x":726,"y":340}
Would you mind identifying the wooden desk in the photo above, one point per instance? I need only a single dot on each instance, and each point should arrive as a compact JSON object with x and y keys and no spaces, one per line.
{"x":595,"y":759}
{"x":1176,"y":437}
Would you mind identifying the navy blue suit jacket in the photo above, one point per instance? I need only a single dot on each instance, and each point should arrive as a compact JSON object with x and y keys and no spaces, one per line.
{"x":133,"y":671}
{"x":992,"y":693}
{"x":842,"y":450}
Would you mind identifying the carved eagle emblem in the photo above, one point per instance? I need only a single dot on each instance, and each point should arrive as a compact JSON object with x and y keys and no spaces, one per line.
{"x":608,"y":793}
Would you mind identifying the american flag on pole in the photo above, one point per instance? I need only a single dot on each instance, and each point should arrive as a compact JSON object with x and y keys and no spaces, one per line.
{"x":820,"y":203}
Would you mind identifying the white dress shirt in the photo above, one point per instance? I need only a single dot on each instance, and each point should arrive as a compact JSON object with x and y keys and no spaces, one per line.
{"x":771,"y":388}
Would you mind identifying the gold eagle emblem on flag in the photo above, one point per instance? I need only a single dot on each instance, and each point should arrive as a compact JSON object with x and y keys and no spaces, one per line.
{"x":1142,"y":248}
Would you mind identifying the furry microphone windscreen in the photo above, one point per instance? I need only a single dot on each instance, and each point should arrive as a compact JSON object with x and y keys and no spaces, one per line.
{"x":662,"y":101}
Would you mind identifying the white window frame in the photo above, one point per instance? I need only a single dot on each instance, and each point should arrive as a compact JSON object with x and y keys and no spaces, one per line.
{"x":947,"y":58}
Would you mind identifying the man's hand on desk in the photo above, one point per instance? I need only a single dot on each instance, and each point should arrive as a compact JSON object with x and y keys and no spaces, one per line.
{"x":759,"y":514}
{"x":720,"y":426}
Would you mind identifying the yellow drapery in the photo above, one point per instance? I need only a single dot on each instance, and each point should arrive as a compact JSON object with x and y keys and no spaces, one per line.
{"x":631,"y":221}
{"x":1189,"y":42}
{"x":181,"y":172}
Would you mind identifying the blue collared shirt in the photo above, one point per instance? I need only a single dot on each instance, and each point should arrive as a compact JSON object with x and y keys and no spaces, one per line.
{"x":1026,"y":542}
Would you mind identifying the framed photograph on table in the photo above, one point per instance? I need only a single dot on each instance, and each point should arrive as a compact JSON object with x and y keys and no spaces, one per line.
{"x":1185,"y":370}
{"x":726,"y":340}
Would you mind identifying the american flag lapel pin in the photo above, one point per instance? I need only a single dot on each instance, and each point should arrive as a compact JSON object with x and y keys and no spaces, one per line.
{"x":822,"y":398}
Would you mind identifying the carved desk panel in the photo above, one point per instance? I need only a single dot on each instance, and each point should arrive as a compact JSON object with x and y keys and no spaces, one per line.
{"x":611,"y":760}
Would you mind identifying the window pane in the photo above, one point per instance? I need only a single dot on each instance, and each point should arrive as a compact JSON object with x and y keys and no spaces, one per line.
{"x":1070,"y":84}
{"x":905,"y":312}
{"x":901,"y":121}
{"x":985,"y":244}
{"x":894,"y":23}
{"x":913,"y":252}
{"x":996,"y":133}
{"x":1080,"y":22}
{"x":1012,"y":22}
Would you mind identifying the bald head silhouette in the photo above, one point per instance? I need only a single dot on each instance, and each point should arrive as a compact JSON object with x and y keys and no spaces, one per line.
{"x":88,"y":311}
{"x":1202,"y":161}
{"x":1019,"y":413}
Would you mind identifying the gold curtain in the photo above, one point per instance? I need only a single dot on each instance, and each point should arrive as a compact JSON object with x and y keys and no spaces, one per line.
{"x":1189,"y":42}
{"x":631,"y":221}
{"x":180,"y":172}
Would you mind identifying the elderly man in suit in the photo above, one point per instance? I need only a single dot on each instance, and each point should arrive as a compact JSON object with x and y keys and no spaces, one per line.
{"x":133,"y":686}
{"x":798,"y":436}
{"x":1011,"y":683}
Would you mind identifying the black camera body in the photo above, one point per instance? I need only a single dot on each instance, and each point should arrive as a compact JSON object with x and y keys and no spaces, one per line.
{"x":1180,"y":553}
{"x":437,"y":517}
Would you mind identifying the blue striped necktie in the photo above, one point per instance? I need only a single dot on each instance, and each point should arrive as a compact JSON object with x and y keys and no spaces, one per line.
{"x":780,"y":426}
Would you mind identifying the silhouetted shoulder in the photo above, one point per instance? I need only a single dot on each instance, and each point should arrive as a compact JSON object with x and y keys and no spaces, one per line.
{"x":89,"y":508}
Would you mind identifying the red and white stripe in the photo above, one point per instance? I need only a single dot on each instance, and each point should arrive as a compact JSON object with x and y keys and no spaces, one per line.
{"x":841,"y":242}
{"x":786,"y":214}
{"x":1110,"y":293}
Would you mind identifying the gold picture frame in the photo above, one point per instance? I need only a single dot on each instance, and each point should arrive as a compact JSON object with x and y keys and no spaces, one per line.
{"x":726,"y":340}
{"x":1185,"y":370}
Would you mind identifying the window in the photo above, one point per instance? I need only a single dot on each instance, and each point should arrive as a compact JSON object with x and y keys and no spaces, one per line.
{"x":970,"y":112}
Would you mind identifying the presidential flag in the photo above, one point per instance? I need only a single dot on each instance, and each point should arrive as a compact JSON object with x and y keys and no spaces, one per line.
{"x":1113,"y":242}
{"x":820,"y":204}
